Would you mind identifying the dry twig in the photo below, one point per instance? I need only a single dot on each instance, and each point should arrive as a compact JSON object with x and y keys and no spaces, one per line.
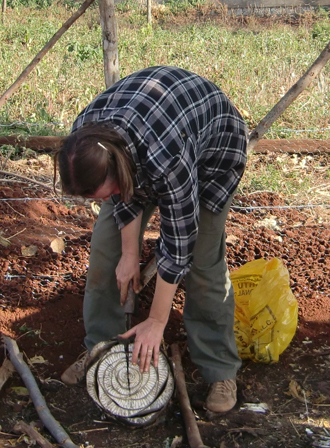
{"x":192,"y":430}
{"x":34,"y":435}
{"x":27,"y":179}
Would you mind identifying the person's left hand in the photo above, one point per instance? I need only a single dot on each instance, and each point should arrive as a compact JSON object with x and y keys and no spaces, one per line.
{"x":148,"y":336}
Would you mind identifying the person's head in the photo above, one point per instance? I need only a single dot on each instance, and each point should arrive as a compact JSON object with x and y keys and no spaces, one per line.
{"x":95,"y":160}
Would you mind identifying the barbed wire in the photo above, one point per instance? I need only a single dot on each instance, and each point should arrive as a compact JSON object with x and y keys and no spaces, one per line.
{"x":233,"y":207}
{"x":25,"y":123}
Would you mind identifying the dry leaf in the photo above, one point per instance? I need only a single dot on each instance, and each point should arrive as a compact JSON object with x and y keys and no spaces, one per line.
{"x":297,"y":392}
{"x":29,"y":251}
{"x":57,"y":245}
{"x":232,"y":240}
{"x":4,"y":241}
{"x":6,"y":371}
{"x":95,"y":208}
{"x":20,"y":391}
{"x":38,"y":360}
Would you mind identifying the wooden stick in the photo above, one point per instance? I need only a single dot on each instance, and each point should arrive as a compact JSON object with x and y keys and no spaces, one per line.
{"x":192,"y":430}
{"x":39,"y":402}
{"x":44,"y":51}
{"x":289,"y":97}
{"x":34,"y":435}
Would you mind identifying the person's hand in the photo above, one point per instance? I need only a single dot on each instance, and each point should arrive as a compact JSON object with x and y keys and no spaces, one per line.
{"x":148,"y":336}
{"x":128,"y":269}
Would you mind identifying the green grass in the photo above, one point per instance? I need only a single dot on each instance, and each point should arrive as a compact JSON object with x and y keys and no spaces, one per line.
{"x":254,"y":65}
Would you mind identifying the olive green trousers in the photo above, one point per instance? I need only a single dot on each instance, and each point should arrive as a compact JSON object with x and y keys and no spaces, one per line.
{"x":209,"y":303}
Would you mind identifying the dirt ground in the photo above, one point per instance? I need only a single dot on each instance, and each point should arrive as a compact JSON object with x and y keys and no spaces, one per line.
{"x":41,"y":295}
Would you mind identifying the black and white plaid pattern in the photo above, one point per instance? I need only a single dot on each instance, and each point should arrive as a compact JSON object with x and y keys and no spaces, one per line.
{"x":189,"y":145}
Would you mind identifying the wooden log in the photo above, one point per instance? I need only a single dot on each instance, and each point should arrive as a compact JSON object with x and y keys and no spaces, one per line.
{"x":45,"y":144}
{"x":48,"y":144}
{"x":39,"y":402}
{"x":192,"y":430}
{"x":44,"y":51}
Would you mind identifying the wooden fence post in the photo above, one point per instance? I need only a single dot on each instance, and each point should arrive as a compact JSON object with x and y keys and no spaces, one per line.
{"x":110,"y":41}
{"x":149,"y":15}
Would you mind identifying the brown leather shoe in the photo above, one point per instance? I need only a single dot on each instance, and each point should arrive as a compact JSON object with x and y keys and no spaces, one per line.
{"x":77,"y":371}
{"x":222,"y":396}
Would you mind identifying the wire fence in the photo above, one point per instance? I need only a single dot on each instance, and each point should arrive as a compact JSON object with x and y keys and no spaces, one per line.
{"x":281,"y":209}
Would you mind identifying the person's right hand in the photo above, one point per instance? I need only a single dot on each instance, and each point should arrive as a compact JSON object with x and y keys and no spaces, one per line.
{"x":128,"y":269}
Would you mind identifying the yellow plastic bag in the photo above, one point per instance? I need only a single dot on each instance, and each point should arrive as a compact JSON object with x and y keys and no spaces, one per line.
{"x":266,"y":312}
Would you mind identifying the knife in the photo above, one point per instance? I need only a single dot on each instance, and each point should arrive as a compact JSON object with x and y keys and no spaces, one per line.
{"x":129,"y":308}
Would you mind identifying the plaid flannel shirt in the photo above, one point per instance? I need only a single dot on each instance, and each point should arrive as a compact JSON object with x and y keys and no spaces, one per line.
{"x":189,"y":145}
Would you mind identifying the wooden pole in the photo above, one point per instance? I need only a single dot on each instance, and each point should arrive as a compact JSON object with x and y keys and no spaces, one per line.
{"x":110,"y":41}
{"x":4,"y":7}
{"x":149,"y":15}
{"x":44,"y":51}
{"x":289,"y":97}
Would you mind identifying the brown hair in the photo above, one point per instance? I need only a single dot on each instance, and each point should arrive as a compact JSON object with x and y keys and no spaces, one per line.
{"x":90,"y":155}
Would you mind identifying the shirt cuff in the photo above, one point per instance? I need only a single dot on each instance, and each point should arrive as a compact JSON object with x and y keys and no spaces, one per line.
{"x":169,"y":271}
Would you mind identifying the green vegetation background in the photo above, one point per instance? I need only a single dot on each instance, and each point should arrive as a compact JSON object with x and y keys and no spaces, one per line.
{"x":254,"y":61}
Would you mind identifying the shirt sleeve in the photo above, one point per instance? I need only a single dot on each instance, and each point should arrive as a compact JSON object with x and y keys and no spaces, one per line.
{"x":179,"y":212}
{"x":124,"y":213}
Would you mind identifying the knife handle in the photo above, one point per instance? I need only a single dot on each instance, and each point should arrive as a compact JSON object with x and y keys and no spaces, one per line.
{"x":129,"y":305}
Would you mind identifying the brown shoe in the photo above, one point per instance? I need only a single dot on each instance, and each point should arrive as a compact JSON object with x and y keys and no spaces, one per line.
{"x":77,"y":371}
{"x":222,"y":396}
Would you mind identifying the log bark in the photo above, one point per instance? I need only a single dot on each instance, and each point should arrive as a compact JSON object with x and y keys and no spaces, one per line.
{"x":44,"y":51}
{"x":110,"y":41}
{"x":39,"y":402}
{"x":289,"y":97}
{"x":45,"y":144}
{"x":192,"y":430}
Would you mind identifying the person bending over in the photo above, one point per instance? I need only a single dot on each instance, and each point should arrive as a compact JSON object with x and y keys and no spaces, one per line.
{"x":161,"y":137}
